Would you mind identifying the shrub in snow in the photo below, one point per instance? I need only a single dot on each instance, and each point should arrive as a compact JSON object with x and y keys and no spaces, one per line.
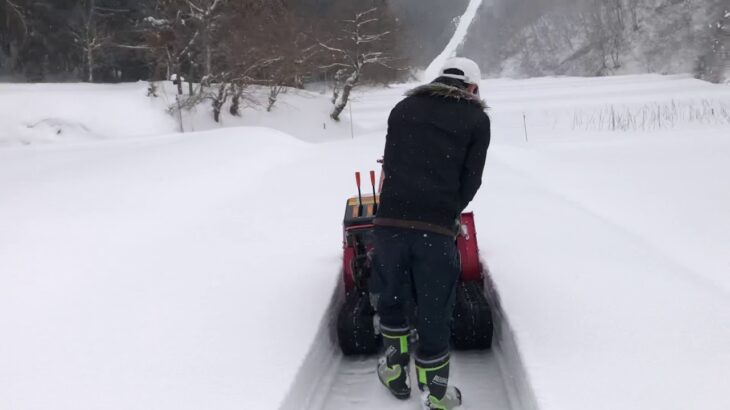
{"x":652,"y":117}
{"x":152,"y":89}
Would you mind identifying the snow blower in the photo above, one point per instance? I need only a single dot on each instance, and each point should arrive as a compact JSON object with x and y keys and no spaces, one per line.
{"x":357,"y":321}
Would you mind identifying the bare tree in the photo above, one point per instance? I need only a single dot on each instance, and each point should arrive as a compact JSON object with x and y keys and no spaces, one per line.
{"x":256,"y":55}
{"x":714,"y":64}
{"x":205,"y":15}
{"x":295,"y":50}
{"x":633,"y":10}
{"x":91,"y":34}
{"x":88,"y":36}
{"x":13,"y":30}
{"x":177,"y":36}
{"x":605,"y":28}
{"x":360,"y":47}
{"x":14,"y":16}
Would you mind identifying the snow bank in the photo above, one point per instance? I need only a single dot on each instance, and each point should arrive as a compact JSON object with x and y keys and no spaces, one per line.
{"x":42,"y":113}
{"x":59,"y":113}
{"x":179,"y":272}
{"x":609,"y":250}
{"x":131,"y":277}
{"x":611,"y":262}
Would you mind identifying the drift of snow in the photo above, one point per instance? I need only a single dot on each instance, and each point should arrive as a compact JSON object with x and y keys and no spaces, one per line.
{"x":462,"y":29}
{"x":43,"y":113}
{"x":61,"y":113}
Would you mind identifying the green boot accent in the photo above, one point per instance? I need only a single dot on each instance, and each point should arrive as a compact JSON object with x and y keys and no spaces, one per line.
{"x":433,"y":380}
{"x":393,"y":366}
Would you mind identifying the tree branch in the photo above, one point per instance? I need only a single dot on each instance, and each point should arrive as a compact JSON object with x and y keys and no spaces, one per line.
{"x":17,"y":9}
{"x":130,"y":47}
{"x":333,"y":65}
{"x":336,"y":50}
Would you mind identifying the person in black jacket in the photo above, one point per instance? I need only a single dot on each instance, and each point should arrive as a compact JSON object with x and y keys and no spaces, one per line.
{"x":435,"y":154}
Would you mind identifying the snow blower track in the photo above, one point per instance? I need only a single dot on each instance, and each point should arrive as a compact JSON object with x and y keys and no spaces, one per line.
{"x":327,"y":380}
{"x":477,"y":374}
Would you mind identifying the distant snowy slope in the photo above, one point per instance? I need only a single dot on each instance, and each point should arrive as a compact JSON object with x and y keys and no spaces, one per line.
{"x":529,"y":38}
{"x":457,"y":40}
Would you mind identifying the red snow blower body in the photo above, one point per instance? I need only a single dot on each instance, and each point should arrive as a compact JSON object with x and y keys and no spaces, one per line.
{"x":357,"y":326}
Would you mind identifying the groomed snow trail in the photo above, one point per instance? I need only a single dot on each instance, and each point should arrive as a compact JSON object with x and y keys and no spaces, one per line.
{"x":493,"y":379}
{"x":477,"y":374}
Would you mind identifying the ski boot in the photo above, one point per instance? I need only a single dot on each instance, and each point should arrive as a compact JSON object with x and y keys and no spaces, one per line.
{"x":393,"y":366}
{"x":433,"y":381}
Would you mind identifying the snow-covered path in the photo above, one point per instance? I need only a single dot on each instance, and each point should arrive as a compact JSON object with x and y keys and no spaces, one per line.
{"x":478,"y":376}
{"x":493,"y":379}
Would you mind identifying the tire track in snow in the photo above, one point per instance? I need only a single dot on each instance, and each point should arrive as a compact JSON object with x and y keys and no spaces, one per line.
{"x":493,"y":379}
{"x":477,"y":374}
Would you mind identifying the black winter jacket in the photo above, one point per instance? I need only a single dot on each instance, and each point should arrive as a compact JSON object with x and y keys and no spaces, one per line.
{"x":435,"y":153}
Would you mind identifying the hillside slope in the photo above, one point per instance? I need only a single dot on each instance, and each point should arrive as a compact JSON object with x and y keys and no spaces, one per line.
{"x":589,"y":37}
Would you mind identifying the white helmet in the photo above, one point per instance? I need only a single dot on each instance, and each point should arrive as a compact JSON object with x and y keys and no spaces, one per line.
{"x":470,"y":69}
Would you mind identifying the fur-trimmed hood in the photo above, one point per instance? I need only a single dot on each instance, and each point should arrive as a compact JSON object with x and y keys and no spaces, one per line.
{"x":446,"y":91}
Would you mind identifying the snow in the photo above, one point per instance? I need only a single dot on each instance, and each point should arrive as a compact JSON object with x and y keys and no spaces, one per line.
{"x":155,"y":22}
{"x":462,"y":29}
{"x":625,"y":309}
{"x":132,"y":278}
{"x":43,"y":113}
{"x":159,"y":271}
{"x":63,"y":113}
{"x":142,"y":268}
{"x":610,"y":250}
{"x":356,"y":385}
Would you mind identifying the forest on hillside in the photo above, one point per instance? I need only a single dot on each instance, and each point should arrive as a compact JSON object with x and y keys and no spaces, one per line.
{"x":211,"y":49}
{"x":124,"y":40}
{"x":292,"y":42}
{"x":130,"y":40}
{"x":526,"y":38}
{"x":218,"y":49}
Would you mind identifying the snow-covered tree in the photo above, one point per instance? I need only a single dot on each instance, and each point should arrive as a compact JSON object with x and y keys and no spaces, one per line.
{"x":362,"y":45}
{"x":181,"y":36}
{"x":89,"y":35}
{"x":714,"y":63}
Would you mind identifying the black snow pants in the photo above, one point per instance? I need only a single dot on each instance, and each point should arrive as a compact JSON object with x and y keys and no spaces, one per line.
{"x":423,"y":266}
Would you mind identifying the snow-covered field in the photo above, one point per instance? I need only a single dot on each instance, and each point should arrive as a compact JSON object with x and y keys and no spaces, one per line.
{"x":33,"y":114}
{"x":142,"y":268}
